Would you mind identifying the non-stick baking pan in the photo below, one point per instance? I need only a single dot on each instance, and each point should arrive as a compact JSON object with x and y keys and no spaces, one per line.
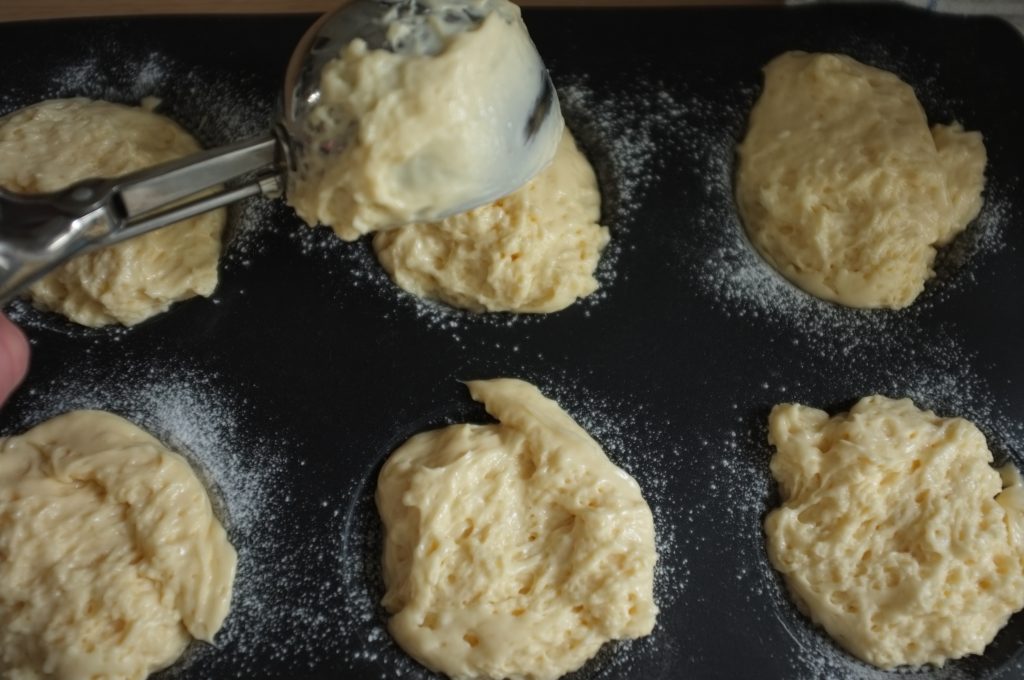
{"x":289,"y":387}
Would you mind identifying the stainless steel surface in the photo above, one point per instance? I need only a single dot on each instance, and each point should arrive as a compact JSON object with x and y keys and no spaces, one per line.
{"x":38,"y":233}
{"x":155,"y":188}
{"x":369,"y":20}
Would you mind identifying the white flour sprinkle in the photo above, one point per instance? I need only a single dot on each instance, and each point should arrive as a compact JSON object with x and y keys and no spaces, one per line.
{"x":726,"y":269}
{"x":635,"y":441}
{"x":743,"y":454}
{"x":252,"y":221}
{"x":249,"y":486}
{"x":214,"y":109}
{"x":29,"y":317}
{"x":627,"y":147}
{"x":861,"y":352}
{"x":639,"y":447}
{"x":625,"y":142}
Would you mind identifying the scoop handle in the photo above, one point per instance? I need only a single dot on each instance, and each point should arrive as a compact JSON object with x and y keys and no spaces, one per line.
{"x":41,"y":231}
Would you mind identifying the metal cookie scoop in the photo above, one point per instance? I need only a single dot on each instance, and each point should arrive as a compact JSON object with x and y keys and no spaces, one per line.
{"x":39,"y":232}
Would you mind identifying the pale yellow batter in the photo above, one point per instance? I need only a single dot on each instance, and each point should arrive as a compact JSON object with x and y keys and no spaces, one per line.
{"x":895,"y":533}
{"x":51,"y":145}
{"x":843,"y":188}
{"x":513,"y":550}
{"x":532,"y":251}
{"x":111,"y":560}
{"x":412,"y":133}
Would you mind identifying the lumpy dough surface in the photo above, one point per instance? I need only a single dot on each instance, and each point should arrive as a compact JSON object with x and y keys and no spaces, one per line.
{"x":895,"y":533}
{"x":51,"y":145}
{"x":110,"y":557}
{"x":513,"y":550}
{"x":843,"y":188}
{"x":532,"y":251}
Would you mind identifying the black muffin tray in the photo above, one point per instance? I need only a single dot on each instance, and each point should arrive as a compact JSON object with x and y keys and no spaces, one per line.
{"x":290,"y":386}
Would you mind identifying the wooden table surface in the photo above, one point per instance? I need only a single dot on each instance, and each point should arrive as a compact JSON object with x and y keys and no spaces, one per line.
{"x":14,"y":10}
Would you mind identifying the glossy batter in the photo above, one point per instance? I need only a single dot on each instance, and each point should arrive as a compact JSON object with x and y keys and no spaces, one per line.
{"x":843,"y":188}
{"x":111,"y":560}
{"x":895,"y":533}
{"x":514,"y":549}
